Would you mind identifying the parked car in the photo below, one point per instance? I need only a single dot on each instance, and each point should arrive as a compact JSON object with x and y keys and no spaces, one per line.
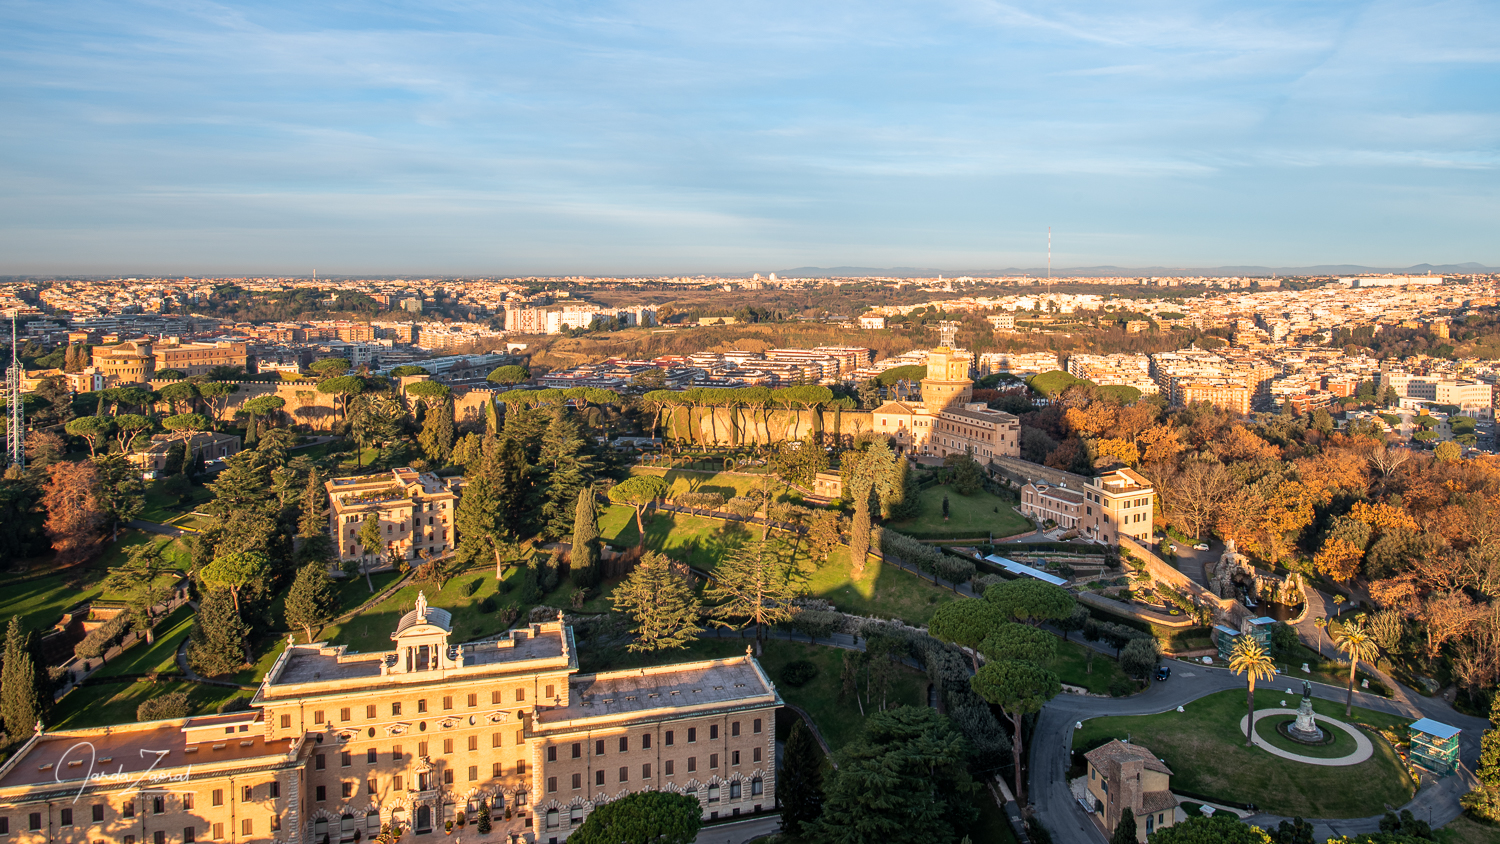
{"x":1163,"y":672}
{"x":1202,"y":546}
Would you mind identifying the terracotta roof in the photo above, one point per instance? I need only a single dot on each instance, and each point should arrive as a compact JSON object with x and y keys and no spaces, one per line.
{"x":1156,"y":801}
{"x":1117,"y":752}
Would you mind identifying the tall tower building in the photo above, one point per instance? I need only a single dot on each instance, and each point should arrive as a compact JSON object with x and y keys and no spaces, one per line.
{"x":947,"y":382}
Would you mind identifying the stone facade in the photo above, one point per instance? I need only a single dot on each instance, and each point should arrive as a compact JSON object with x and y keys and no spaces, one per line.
{"x":339,"y":744}
{"x":1129,"y":778}
{"x":415,"y":509}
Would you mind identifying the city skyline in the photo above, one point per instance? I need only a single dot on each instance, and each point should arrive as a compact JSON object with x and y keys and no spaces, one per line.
{"x":604,"y":139}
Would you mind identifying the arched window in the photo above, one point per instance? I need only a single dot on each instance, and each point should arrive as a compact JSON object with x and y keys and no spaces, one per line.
{"x":372,"y":824}
{"x":575,"y":816}
{"x":552,"y":819}
{"x":713,"y":794}
{"x":320,"y":830}
{"x":424,"y":819}
{"x":756,"y":787}
{"x":346,"y":828}
{"x":734,"y":790}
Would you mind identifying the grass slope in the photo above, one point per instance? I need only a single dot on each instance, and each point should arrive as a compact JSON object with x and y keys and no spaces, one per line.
{"x":1207,"y":753}
{"x":980,"y":514}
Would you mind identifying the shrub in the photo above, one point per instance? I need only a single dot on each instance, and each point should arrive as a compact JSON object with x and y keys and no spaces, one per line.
{"x":486,"y":605}
{"x":1121,"y":686}
{"x":473,"y":586}
{"x":103,"y":637}
{"x":170,"y":705}
{"x":799,"y":673}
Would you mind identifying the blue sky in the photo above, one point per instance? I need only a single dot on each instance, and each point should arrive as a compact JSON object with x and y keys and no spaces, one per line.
{"x":448,"y":136}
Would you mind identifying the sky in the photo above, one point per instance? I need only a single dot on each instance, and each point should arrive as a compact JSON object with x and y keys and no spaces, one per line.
{"x":455,"y":137}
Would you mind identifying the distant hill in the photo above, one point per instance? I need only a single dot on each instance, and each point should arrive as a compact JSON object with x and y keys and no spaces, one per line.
{"x":1132,"y":272}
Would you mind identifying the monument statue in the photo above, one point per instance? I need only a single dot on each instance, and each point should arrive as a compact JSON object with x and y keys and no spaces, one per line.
{"x":1306,"y":728}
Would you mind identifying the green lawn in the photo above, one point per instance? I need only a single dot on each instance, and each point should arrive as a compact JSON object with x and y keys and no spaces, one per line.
{"x":1466,"y":830}
{"x":370,"y":631}
{"x":159,"y":656}
{"x":1343,"y":744}
{"x":727,"y":485}
{"x":881,"y":590}
{"x":977,"y":515}
{"x":1208,"y":757}
{"x":115,"y":703}
{"x":265,"y":651}
{"x":161,"y":505}
{"x":1071,"y":665}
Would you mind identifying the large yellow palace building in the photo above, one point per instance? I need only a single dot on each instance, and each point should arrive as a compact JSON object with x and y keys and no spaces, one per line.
{"x":337,"y":745}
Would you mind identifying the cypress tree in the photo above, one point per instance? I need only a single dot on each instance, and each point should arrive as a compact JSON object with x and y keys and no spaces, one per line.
{"x":311,"y":599}
{"x":1125,"y":828}
{"x":437,"y":435}
{"x":311,"y":522}
{"x":218,"y":645}
{"x":585,"y":554}
{"x":25,"y":697}
{"x":800,"y":782}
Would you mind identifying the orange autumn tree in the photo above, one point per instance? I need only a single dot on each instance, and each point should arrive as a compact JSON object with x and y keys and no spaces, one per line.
{"x":75,"y":521}
{"x":1266,"y":516}
{"x":1339,"y":559}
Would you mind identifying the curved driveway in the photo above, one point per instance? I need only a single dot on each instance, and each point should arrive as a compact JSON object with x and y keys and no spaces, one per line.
{"x":1052,"y":741}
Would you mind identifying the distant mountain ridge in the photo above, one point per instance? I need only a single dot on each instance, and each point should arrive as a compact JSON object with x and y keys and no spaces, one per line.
{"x":1134,"y":272}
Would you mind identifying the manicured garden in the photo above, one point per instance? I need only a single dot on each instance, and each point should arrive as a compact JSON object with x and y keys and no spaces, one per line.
{"x":159,"y":656}
{"x":982,"y":514}
{"x":102,"y":704}
{"x":1206,"y":751}
{"x":370,"y":630}
{"x":1078,"y":665}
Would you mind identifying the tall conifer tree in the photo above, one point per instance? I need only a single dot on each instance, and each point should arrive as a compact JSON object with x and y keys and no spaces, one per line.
{"x":24,"y":695}
{"x":585,"y":554}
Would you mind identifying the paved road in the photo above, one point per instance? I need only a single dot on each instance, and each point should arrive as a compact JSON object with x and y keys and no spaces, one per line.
{"x":156,"y":527}
{"x":1053,"y":738}
{"x":740,"y":831}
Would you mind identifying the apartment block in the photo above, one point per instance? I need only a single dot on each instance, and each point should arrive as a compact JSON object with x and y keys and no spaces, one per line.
{"x":414,"y":509}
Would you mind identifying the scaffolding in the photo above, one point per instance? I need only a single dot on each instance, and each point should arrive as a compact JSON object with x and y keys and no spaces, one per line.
{"x":1434,"y":746}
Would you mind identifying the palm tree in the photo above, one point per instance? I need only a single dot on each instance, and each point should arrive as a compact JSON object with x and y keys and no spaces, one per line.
{"x":1322,"y":625}
{"x":1354,"y":640}
{"x":1250,"y":658}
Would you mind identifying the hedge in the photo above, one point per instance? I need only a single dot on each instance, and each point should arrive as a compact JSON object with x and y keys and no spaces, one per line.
{"x":925,"y":557}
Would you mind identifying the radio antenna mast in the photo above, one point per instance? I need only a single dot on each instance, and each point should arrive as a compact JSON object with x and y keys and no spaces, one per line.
{"x":16,"y":438}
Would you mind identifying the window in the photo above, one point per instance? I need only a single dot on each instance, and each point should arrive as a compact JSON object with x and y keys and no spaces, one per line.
{"x":317,"y":716}
{"x":624,"y":774}
{"x":447,"y":776}
{"x":520,"y":766}
{"x":346,"y":789}
{"x":551,"y":690}
{"x":370,"y":710}
{"x":734,"y":728}
{"x":247,"y":828}
{"x":692,"y":734}
{"x":552,"y":819}
{"x":370,"y":755}
{"x":552,"y":754}
{"x":598,"y":777}
{"x":286,"y":722}
{"x":447,"y":745}
{"x":275,"y":791}
{"x":321,"y":793}
{"x":218,"y":797}
{"x":65,"y":817}
{"x":756,"y":786}
{"x":447,"y":701}
{"x":396,"y":708}
{"x":218,"y":831}
{"x":276,"y":823}
{"x":577,"y":750}
{"x":552,"y":784}
{"x":713,"y":794}
{"x":713,"y":761}
{"x":624,"y":744}
{"x":646,"y":771}
{"x":669,"y":738}
{"x":645,"y":741}
{"x":473,"y":773}
{"x":668,"y":767}
{"x":4,"y":826}
{"x":422,"y":705}
{"x":520,"y":737}
{"x":755,"y":727}
{"x":575,"y":815}
{"x":370,"y":786}
{"x":520,"y":694}
{"x":495,"y":696}
{"x":346,"y":759}
{"x":692,"y":764}
{"x":189,"y":835}
{"x":473,"y":700}
{"x":97,"y":812}
{"x":734,"y":790}
{"x":160,"y":837}
{"x":578,"y":780}
{"x":247,"y":793}
{"x":397,"y":784}
{"x":396,"y":755}
{"x":713,"y":732}
{"x":497,"y":770}
{"x":755,"y":755}
{"x":599,"y":747}
{"x":344,"y":714}
{"x":734,"y":757}
{"x":318,"y":762}
{"x":127,"y":809}
{"x":421,"y":748}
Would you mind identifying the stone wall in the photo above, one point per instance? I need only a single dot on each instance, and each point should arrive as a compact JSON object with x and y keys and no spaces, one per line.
{"x":1021,"y":472}
{"x":723,"y":425}
{"x":1225,"y":610}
